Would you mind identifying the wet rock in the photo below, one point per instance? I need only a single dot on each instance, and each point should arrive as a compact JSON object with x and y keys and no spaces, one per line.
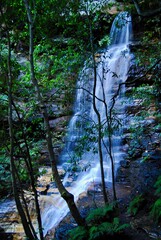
{"x":62,"y":232}
{"x":4,"y":235}
{"x":145,"y":155}
{"x":122,"y":175}
{"x":94,"y":187}
{"x":155,"y":154}
{"x":53,"y":185}
{"x":148,"y":122}
{"x":59,"y":122}
{"x":134,"y":109}
{"x":135,"y":45}
{"x":125,"y":163}
{"x":158,"y":129}
{"x":135,"y":153}
{"x":67,"y":184}
{"x":135,"y":72}
{"x":143,"y":176}
{"x":127,"y":137}
{"x":125,"y":148}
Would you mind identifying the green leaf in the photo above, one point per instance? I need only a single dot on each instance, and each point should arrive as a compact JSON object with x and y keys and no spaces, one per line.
{"x":135,"y":204}
{"x":78,"y":233}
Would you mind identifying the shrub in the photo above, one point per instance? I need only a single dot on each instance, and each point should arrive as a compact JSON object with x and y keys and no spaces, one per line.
{"x":78,"y":233}
{"x":135,"y":204}
{"x":99,"y":215}
{"x":100,"y":223}
{"x":155,"y":212}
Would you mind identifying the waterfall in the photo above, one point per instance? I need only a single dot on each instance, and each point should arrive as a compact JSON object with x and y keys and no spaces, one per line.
{"x":80,"y":151}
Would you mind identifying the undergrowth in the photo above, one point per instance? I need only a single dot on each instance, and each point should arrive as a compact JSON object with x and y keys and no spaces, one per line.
{"x":101,"y":223}
{"x":135,"y":204}
{"x":156,"y":207}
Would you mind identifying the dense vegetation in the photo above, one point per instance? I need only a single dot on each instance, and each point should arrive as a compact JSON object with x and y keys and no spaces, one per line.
{"x":62,"y":42}
{"x":60,"y":49}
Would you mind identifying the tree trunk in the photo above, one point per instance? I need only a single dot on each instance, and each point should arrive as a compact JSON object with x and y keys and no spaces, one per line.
{"x":98,"y":116}
{"x":29,"y":233}
{"x":68,"y":197}
{"x":28,"y":162}
{"x":109,"y":148}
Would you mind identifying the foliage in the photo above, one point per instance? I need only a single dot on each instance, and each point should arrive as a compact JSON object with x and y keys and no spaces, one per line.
{"x":144,"y":92}
{"x":148,"y":54}
{"x":98,"y":215}
{"x":106,"y":228}
{"x":137,"y":132}
{"x":156,"y":207}
{"x":24,"y":122}
{"x":3,"y":66}
{"x":101,"y":222}
{"x":156,"y":210}
{"x":135,"y":204}
{"x":105,"y":41}
{"x":78,"y":233}
{"x":3,"y":111}
{"x":148,"y":4}
{"x":5,"y":175}
{"x":58,"y":70}
{"x":57,"y":63}
{"x":140,"y":129}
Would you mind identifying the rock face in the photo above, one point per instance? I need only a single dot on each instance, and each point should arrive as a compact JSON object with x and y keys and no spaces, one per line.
{"x":9,"y":220}
{"x":141,"y":135}
{"x":142,"y":138}
{"x":143,"y":176}
{"x":142,"y":165}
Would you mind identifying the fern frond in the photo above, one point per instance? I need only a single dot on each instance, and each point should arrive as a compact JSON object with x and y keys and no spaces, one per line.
{"x":94,"y":233}
{"x":135,"y":204}
{"x":96,"y":215}
{"x":156,"y":210}
{"x":157,"y":185}
{"x":78,"y":233}
{"x":106,"y":228}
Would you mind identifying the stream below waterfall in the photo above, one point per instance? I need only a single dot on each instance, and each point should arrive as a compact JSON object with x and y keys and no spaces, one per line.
{"x":112,"y":69}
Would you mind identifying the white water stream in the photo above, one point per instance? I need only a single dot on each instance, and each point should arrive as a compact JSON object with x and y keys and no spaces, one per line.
{"x":112,"y":69}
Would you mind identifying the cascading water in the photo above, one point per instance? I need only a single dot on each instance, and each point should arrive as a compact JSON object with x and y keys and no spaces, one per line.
{"x":112,"y":69}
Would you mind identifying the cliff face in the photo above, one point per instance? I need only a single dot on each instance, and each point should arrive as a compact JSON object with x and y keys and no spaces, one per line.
{"x":142,"y":133}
